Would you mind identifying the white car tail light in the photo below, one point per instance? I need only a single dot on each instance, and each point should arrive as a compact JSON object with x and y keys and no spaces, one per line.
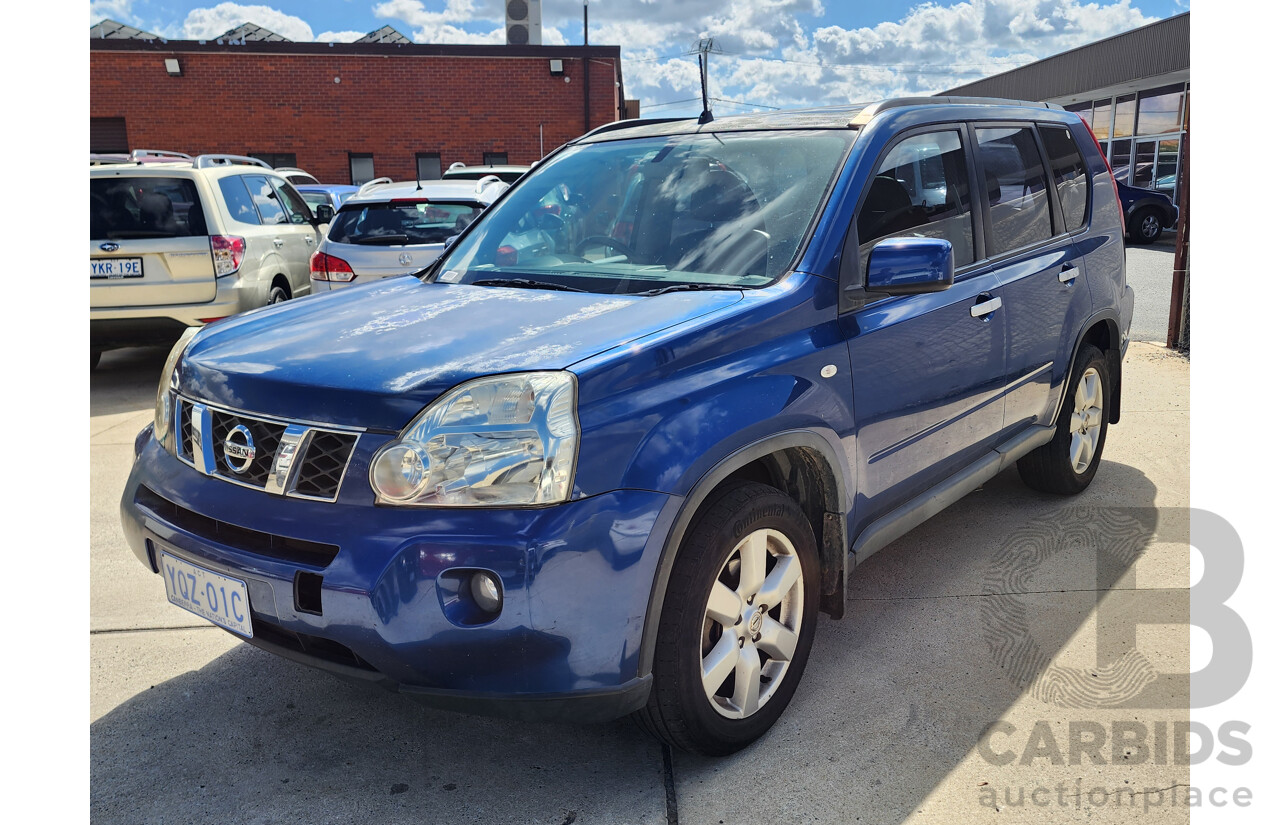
{"x":228,"y":254}
{"x":329,"y":268}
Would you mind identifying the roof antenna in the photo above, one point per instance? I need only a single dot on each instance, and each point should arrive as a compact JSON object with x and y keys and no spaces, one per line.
{"x":704,"y":60}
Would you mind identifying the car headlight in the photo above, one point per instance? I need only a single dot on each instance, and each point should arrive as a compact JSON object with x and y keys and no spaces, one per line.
{"x":505,"y":440}
{"x":164,"y":392}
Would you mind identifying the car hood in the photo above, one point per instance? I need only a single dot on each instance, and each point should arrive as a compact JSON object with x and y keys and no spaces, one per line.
{"x":373,"y":356}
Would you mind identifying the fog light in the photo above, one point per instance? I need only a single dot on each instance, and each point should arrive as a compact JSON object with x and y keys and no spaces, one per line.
{"x":486,"y":592}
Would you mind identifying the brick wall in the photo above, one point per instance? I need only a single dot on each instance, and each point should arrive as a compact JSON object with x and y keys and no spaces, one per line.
{"x":392,"y":105}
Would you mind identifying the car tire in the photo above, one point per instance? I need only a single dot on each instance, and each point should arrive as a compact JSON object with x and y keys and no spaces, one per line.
{"x":714,"y":620}
{"x":1069,"y":462}
{"x":278,"y":295}
{"x":95,"y":355}
{"x":1145,"y":226}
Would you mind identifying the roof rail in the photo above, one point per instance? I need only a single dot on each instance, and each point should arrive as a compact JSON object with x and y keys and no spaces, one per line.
{"x":487,"y":180}
{"x":205,"y":161}
{"x":627,"y":124}
{"x":457,"y":164}
{"x":375,"y":182}
{"x":104,"y":159}
{"x":865,"y":115}
{"x":138,"y":154}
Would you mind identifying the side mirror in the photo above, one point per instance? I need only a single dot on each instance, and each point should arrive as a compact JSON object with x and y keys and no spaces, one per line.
{"x":324,"y":213}
{"x":910,"y":266}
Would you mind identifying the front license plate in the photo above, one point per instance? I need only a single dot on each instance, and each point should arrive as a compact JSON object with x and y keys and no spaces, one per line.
{"x":113,"y":268}
{"x":221,"y":600}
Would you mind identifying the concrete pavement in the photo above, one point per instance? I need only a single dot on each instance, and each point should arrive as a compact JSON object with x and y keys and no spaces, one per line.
{"x":1011,"y":609}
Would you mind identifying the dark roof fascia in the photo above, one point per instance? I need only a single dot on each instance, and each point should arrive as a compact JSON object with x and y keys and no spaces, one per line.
{"x":355,"y":49}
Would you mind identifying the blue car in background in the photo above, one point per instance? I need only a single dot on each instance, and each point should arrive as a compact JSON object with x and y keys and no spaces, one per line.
{"x":331,"y":195}
{"x":615,"y":450}
{"x":1147,"y":213}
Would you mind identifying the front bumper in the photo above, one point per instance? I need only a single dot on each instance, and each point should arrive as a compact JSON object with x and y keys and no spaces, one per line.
{"x":576,"y":580}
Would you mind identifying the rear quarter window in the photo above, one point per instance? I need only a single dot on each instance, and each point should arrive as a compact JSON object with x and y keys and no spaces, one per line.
{"x":236,"y":196}
{"x":144,"y":207}
{"x":1069,"y":176}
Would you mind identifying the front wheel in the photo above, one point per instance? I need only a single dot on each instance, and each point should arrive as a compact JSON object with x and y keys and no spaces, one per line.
{"x":737,"y":623}
{"x":1069,"y":462}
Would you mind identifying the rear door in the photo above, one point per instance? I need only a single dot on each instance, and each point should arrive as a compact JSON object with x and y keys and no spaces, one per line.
{"x":299,"y":236}
{"x":1034,"y":254}
{"x":148,"y":242}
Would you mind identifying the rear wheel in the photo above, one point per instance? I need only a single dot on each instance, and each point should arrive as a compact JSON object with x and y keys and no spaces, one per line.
{"x":1144,"y":226}
{"x":1069,"y":462}
{"x":737,"y":624}
{"x":278,"y":295}
{"x":95,"y":355}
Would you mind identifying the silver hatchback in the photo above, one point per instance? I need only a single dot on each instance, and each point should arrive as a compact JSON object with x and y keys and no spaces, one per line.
{"x":389,"y":229}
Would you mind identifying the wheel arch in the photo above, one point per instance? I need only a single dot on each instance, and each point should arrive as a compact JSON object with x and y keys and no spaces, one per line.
{"x":802,"y":464}
{"x":279,"y":280}
{"x":1102,"y":330}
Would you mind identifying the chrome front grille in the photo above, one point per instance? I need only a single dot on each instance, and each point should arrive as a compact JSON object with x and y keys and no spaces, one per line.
{"x":281,"y":457}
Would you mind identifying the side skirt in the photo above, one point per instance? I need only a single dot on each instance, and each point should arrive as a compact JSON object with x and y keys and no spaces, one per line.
{"x":897,"y":523}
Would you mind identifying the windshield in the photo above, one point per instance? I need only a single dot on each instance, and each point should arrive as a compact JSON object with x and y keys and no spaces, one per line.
{"x":402,"y":222}
{"x":711,"y":210}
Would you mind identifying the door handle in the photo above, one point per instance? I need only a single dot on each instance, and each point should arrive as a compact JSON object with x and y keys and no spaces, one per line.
{"x":985,"y":308}
{"x":1068,"y":274}
{"x":278,"y":242}
{"x":310,"y":240}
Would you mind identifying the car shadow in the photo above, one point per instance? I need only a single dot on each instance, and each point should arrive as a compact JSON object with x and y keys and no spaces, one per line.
{"x":945,"y":630}
{"x":251,"y":737}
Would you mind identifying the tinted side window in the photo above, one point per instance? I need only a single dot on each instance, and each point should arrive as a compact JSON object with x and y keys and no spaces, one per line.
{"x":292,"y":202}
{"x":239,"y":204}
{"x":921,"y":190}
{"x":264,"y":198}
{"x":1015,"y":182}
{"x":1069,"y":175}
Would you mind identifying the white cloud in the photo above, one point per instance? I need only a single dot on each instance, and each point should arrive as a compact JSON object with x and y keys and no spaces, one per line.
{"x":117,"y":10}
{"x":208,"y":23}
{"x":339,"y":37}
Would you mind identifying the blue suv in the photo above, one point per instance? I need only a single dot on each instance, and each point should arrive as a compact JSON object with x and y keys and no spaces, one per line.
{"x":615,"y":450}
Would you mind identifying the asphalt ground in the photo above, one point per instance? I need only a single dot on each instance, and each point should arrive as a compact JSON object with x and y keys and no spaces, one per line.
{"x":1150,"y":273}
{"x":1010,"y":609}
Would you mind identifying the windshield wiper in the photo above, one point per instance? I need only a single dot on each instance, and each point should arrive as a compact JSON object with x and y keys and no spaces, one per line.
{"x":525,"y":283}
{"x":685,"y":288}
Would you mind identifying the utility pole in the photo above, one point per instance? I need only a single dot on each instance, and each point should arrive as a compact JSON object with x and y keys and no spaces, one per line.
{"x":1179,"y":301}
{"x":586,"y":75}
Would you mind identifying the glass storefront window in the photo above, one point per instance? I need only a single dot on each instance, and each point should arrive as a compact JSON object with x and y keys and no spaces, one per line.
{"x":1126,"y":108}
{"x":1167,"y":167}
{"x":1144,"y":164}
{"x":1120,"y":160}
{"x":1160,"y":110}
{"x":1102,"y":119}
{"x":1085,"y":110}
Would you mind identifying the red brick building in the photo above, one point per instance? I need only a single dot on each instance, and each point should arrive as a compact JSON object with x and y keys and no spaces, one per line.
{"x":329,"y":108}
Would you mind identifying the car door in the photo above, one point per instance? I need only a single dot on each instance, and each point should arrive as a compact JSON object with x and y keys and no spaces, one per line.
{"x":300,"y":236}
{"x":928,"y":370}
{"x":1035,"y":258}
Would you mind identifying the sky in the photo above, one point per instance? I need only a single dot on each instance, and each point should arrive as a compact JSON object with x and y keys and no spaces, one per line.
{"x":766,"y":53}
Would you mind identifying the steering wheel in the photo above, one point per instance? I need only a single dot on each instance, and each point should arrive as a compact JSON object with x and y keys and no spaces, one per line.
{"x":604,"y":240}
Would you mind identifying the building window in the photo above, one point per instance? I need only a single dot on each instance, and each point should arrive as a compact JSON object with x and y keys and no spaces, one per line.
{"x":1121,"y":160}
{"x":361,"y":168}
{"x":1102,"y":119}
{"x":108,"y":135}
{"x":428,"y":165}
{"x":495,"y":158}
{"x":1160,"y":110}
{"x":277,"y":159}
{"x":1085,"y":110}
{"x":1126,"y":110}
